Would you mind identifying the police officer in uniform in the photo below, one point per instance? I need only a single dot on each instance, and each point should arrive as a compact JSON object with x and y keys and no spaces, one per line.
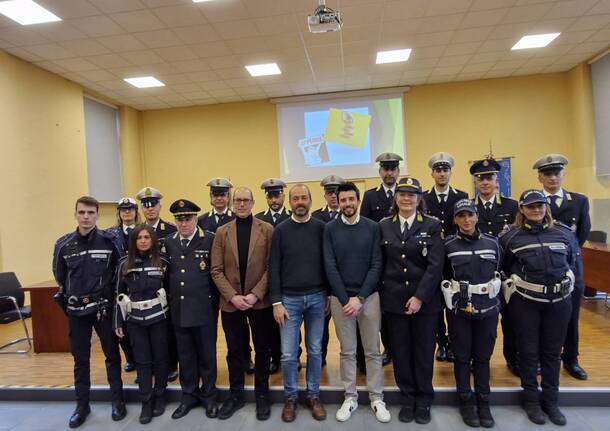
{"x":127,"y":219}
{"x":439,"y":203}
{"x":470,"y":289}
{"x":84,"y":264}
{"x":538,"y":256}
{"x":276,"y":211}
{"x":376,"y":204}
{"x":496,"y":213}
{"x":220,"y":191}
{"x":410,"y":296}
{"x":330,"y":183}
{"x":140,"y":310}
{"x":194,"y":308}
{"x":150,"y":199}
{"x":274,"y":215}
{"x":572,"y":209}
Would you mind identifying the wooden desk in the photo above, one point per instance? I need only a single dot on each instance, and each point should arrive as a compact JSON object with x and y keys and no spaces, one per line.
{"x":596,"y":260}
{"x":49,"y":323}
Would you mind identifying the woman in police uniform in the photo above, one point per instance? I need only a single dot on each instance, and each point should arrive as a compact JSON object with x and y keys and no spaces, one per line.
{"x":410,"y":296}
{"x":470,"y":290}
{"x":141,"y":307}
{"x":538,"y":254}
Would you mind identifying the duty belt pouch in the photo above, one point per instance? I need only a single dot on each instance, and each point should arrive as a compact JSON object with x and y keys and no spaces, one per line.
{"x":448,"y":292}
{"x":509,"y":289}
{"x":124,"y":305}
{"x":464,"y":294}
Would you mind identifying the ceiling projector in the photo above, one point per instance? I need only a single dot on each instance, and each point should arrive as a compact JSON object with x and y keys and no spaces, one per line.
{"x":324,"y":19}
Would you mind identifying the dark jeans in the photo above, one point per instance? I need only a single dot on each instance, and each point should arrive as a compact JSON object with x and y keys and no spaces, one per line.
{"x":473,"y":341}
{"x":80,"y":330}
{"x":413,"y":340}
{"x":150,"y":352}
{"x":541,"y":330}
{"x":236,"y":325}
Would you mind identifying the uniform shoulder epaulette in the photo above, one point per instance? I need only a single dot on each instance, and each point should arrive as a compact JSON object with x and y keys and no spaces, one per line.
{"x":64,"y":239}
{"x":110,"y":233}
{"x":431,"y":216}
{"x":450,"y":238}
{"x":562,"y":225}
{"x":506,"y":230}
{"x":164,"y":260}
{"x":488,"y":236}
{"x":391,"y":218}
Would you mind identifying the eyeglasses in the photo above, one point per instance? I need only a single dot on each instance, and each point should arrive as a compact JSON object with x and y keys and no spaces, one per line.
{"x":242,"y":201}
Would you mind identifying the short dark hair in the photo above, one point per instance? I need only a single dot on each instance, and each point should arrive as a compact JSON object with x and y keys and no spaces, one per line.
{"x":89,"y":201}
{"x":348,"y":186}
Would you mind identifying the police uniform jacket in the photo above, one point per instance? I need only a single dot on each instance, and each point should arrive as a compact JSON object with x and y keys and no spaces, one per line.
{"x":499,"y":218}
{"x":324,"y":214}
{"x":208,"y":222}
{"x":375,"y":204}
{"x":84,"y":268}
{"x":164,"y":229}
{"x":193,"y":298}
{"x":266,"y":216}
{"x":140,"y":283}
{"x":473,"y":259}
{"x":574,"y":212}
{"x":122,"y":238}
{"x":539,"y":254}
{"x":413,"y":264}
{"x":444,"y":211}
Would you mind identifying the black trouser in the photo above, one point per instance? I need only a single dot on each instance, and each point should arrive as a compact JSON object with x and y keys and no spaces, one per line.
{"x":570,"y":345}
{"x":413,"y":344}
{"x":125,"y":344}
{"x":509,"y":337}
{"x":150,"y":353}
{"x":197,"y":357}
{"x":442,"y":336}
{"x":275,"y":343}
{"x":236,"y":325}
{"x":172,"y":349}
{"x":541,"y":330}
{"x":79,"y":333}
{"x":472,"y":341}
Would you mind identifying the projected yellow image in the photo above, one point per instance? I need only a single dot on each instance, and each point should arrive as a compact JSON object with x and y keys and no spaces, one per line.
{"x":348,"y":128}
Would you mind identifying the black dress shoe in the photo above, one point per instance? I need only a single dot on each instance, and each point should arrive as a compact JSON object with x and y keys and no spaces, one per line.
{"x":575,"y":370}
{"x":534,"y":413}
{"x":172,"y":376}
{"x":250,"y":369}
{"x":129,"y":367}
{"x":406,"y":414}
{"x":554,"y":414}
{"x":146,"y":414}
{"x":182,"y":410}
{"x":513,"y":367}
{"x":422,"y":414}
{"x":468,"y":410}
{"x":119,"y":411}
{"x":274,"y":366}
{"x":230,"y":406}
{"x":158,"y":406}
{"x":441,"y":353}
{"x":79,"y":416}
{"x":263,"y":408}
{"x":211,"y":409}
{"x":386,"y":358}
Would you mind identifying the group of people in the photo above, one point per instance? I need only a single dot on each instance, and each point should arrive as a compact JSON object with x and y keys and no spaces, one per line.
{"x":408,"y":268}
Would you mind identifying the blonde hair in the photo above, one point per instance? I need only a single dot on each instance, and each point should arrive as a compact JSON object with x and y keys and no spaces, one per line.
{"x":520,"y":217}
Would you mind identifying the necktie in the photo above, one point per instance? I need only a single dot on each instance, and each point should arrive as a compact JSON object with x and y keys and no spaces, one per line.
{"x":442,"y":197}
{"x":333,"y":214}
{"x":218,"y":218}
{"x":129,"y":230}
{"x":553,"y":200}
{"x":488,"y":206}
{"x":275,"y":217}
{"x":390,"y":194}
{"x":405,"y":227}
{"x":185,"y":242}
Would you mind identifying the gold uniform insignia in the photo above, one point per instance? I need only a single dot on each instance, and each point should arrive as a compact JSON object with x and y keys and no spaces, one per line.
{"x":181,"y":204}
{"x":410,"y":181}
{"x":85,"y":300}
{"x":148,"y":192}
{"x":485,"y":163}
{"x":202,"y":265}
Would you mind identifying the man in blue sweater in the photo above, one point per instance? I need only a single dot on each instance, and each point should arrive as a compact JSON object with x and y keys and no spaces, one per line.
{"x":298,"y":294}
{"x":353,"y":261}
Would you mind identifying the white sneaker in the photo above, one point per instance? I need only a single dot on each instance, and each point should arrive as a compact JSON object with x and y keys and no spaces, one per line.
{"x":381,"y":413}
{"x":346,"y":409}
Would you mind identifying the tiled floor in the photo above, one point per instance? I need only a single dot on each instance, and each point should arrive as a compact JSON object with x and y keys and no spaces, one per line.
{"x":54,"y":416}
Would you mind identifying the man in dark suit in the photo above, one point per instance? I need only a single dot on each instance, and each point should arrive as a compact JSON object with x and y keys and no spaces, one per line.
{"x":496,"y":213}
{"x":572,"y":209}
{"x":376,"y":205}
{"x":240,"y":260}
{"x":439,"y":202}
{"x":150,"y":199}
{"x":220,"y":194}
{"x":331,"y":210}
{"x":193,"y":307}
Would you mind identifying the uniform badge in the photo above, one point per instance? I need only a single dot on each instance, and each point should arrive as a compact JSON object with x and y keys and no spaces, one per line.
{"x":424,"y":252}
{"x":181,"y":204}
{"x":162,"y":226}
{"x":85,"y":300}
{"x":148,"y":192}
{"x":163,"y":249}
{"x":409,"y":181}
{"x":202,"y":265}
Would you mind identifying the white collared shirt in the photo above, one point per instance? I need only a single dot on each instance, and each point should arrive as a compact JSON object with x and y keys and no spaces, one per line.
{"x":273,"y":213}
{"x":190,"y":238}
{"x":347,"y":222}
{"x":406,"y":221}
{"x":438,"y":192}
{"x":218,"y":214}
{"x":125,"y":227}
{"x":559,"y":195}
{"x":492,"y":200}
{"x":386,"y":189}
{"x":297,"y":221}
{"x":154,"y":226}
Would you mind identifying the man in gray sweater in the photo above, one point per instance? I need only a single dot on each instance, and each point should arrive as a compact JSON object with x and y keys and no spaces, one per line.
{"x":353,"y":261}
